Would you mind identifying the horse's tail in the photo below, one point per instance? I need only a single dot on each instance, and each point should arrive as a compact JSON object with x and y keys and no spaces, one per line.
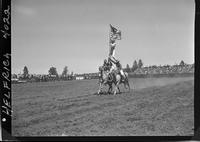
{"x":126,"y":74}
{"x":126,"y":80}
{"x":100,"y":77}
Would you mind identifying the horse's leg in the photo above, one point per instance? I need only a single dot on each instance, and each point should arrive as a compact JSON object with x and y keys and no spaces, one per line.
{"x":125,"y":85}
{"x":118,"y":79}
{"x":118,"y":89}
{"x":111,"y":88}
{"x":126,"y":82}
{"x":115,"y":89}
{"x":100,"y":87}
{"x":108,"y":89}
{"x":115,"y":92}
{"x":128,"y":85}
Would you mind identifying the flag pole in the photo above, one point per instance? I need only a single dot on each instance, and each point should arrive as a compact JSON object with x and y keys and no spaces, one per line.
{"x":109,"y":41}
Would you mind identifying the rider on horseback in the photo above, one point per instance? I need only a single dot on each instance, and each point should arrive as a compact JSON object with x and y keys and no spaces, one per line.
{"x":106,"y":65}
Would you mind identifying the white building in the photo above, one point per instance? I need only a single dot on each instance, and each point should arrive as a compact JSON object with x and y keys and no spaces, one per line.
{"x":79,"y":77}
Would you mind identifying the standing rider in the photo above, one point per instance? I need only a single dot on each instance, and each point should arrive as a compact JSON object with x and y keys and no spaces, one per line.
{"x":112,"y":59}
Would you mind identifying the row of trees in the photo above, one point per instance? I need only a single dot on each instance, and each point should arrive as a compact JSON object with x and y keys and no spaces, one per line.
{"x":135,"y":65}
{"x":52,"y":72}
{"x":139,"y":64}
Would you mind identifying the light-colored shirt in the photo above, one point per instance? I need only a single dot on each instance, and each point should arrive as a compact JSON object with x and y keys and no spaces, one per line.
{"x":112,"y":49}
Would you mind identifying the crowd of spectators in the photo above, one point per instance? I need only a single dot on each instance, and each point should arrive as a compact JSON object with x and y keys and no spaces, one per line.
{"x":46,"y":78}
{"x":38,"y":78}
{"x":147,"y":70}
{"x":167,"y":69}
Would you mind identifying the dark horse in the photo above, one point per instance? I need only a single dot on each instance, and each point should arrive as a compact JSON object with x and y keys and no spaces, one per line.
{"x":104,"y":79}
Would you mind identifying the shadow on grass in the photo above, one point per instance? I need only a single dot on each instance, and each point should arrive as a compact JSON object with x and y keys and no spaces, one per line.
{"x":107,"y":93}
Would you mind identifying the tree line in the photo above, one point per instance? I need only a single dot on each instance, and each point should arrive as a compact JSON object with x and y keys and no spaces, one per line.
{"x":52,"y":72}
{"x":135,"y":65}
{"x":140,"y":64}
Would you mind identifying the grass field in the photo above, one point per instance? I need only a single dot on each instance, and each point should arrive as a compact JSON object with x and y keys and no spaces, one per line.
{"x":154,"y":106}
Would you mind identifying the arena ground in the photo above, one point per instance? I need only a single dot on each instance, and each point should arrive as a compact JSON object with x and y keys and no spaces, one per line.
{"x":154,"y":106}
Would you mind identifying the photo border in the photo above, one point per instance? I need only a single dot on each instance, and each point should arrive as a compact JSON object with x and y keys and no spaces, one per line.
{"x":6,"y":99}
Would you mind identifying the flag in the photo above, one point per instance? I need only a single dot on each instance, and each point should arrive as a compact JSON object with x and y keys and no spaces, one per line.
{"x":115,"y":33}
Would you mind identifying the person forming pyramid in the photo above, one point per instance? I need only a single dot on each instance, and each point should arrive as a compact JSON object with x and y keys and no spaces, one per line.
{"x":115,"y":64}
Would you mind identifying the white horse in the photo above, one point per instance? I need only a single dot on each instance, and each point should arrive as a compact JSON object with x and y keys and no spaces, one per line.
{"x":117,"y":80}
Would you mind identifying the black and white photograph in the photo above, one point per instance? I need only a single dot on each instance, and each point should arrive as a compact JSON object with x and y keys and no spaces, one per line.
{"x":102,"y":67}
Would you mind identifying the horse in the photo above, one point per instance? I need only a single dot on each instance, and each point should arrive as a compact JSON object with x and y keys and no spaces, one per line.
{"x":117,"y":80}
{"x":104,"y":79}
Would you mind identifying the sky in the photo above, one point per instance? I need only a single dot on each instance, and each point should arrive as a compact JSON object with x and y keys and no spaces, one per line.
{"x":75,"y":33}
